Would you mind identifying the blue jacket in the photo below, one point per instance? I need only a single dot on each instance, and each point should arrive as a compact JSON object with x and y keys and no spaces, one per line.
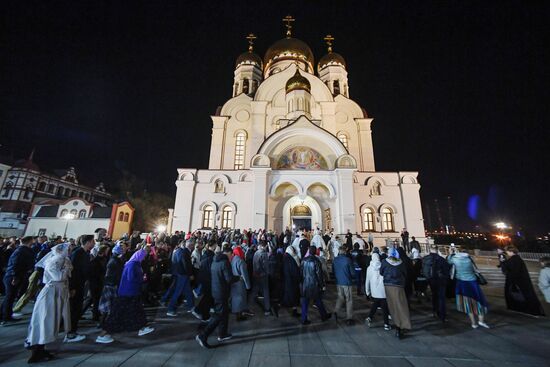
{"x":20,"y":262}
{"x":131,"y":280}
{"x":394,"y":272}
{"x":343,"y":269}
{"x":181,"y":262}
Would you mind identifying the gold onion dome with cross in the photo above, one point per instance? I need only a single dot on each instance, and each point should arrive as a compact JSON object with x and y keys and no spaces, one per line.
{"x":331,"y":58}
{"x":249,"y":57}
{"x":289,"y":48}
{"x":297,"y":82}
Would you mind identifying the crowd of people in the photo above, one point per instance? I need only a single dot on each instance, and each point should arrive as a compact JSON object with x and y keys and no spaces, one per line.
{"x":213,"y":274}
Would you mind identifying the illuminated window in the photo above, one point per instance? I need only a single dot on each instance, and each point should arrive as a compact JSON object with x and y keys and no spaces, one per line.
{"x":208,"y":217}
{"x":126,"y":217}
{"x":387,"y":220}
{"x":240,"y":141}
{"x":368,"y":219}
{"x":64,"y":213}
{"x":82,"y":214}
{"x":120,"y":216}
{"x":344,"y":139}
{"x":227,"y":217}
{"x":74,"y":213}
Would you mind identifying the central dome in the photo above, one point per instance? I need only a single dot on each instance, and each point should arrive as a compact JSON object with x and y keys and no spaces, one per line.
{"x":289,"y":49}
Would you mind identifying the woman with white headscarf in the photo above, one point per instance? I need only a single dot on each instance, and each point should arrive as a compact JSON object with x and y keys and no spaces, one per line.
{"x":52,"y":303}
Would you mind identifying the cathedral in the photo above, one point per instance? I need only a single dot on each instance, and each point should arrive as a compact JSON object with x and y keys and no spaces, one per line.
{"x":290,"y":148}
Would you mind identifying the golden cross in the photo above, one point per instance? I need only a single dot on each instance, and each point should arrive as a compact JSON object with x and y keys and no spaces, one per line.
{"x":251,"y":37}
{"x":329,"y":40}
{"x":288,"y":19}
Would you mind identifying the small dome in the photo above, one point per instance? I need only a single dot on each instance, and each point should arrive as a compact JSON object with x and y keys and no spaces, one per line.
{"x":297,"y":82}
{"x":332,"y":58}
{"x":289,"y":49}
{"x":249,"y":58}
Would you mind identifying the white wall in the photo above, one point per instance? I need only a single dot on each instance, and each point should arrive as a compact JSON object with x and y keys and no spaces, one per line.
{"x":56,"y":226}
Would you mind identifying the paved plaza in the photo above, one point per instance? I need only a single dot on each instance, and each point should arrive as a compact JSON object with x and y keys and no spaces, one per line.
{"x":513,"y":340}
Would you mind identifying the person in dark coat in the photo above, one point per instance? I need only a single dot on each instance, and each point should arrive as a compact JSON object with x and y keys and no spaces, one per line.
{"x":261,"y":279}
{"x":97,"y":274}
{"x":312,"y":285}
{"x":222,"y":278}
{"x":182,"y":270}
{"x":20,"y":265}
{"x":291,"y":280}
{"x":205,"y":280}
{"x":409,"y":268}
{"x":518,"y":288}
{"x":349,"y":240}
{"x":80,"y":258}
{"x":437,"y":271}
{"x":304,"y":246}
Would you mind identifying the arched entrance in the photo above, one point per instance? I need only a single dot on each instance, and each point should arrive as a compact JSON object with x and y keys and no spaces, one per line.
{"x":302,"y":211}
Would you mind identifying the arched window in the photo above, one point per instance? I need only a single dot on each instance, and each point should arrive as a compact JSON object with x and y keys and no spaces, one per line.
{"x":336,"y":87}
{"x":218,"y":186}
{"x":240,"y":141}
{"x":126,"y":217}
{"x":376,"y":188}
{"x":51,"y":187}
{"x":121,"y":216}
{"x":67,"y":192}
{"x":227,"y":217}
{"x":42,"y":186}
{"x":387,"y":220}
{"x":368,"y":220}
{"x":344,"y":139}
{"x":64,"y":213}
{"x":82,"y":214}
{"x":74,"y":213}
{"x":208,"y":217}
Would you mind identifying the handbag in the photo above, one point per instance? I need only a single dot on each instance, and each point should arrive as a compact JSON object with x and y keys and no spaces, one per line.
{"x":479,"y":277}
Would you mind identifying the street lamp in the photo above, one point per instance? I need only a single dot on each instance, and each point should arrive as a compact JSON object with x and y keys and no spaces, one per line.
{"x":501,"y":225}
{"x":67,"y":217}
{"x":161,"y":228}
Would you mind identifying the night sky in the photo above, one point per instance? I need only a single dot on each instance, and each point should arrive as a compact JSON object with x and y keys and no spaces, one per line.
{"x":459,"y":90}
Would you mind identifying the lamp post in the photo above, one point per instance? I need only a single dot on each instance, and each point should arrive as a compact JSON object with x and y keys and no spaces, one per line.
{"x":67,"y":217}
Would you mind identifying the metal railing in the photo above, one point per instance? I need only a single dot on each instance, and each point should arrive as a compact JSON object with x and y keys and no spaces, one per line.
{"x":527,"y":256}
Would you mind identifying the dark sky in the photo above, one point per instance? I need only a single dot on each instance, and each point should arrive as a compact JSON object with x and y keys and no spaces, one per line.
{"x":459,"y":90}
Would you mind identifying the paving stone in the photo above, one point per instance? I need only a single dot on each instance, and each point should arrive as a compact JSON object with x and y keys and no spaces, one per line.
{"x":259,"y":360}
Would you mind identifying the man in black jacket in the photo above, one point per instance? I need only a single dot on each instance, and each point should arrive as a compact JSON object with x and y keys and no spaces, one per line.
{"x":182,"y":270}
{"x":20,"y":264}
{"x":80,"y":259}
{"x":202,"y":310}
{"x":437,"y":271}
{"x":222,"y":278}
{"x":313,"y":285}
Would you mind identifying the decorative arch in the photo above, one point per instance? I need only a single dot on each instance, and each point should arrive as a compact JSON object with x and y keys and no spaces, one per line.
{"x":220,"y":176}
{"x":207,"y":203}
{"x":292,"y":182}
{"x":346,"y":161}
{"x":260,"y":160}
{"x":245,"y":177}
{"x":387,"y":205}
{"x":240,"y":131}
{"x":328,"y":186}
{"x":372,"y":179}
{"x":230,"y":204}
{"x":186,"y":176}
{"x":409,"y":179}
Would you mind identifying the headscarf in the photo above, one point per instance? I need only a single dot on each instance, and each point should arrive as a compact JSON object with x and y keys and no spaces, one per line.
{"x":117,"y":250}
{"x":57,"y":255}
{"x":393,"y":253}
{"x":292,"y":252}
{"x":138,"y":256}
{"x":238,"y":251}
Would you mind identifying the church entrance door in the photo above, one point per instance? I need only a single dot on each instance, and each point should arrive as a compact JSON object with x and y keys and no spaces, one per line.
{"x":304,"y":223}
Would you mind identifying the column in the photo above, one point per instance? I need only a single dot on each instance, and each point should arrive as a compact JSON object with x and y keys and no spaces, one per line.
{"x":259,"y":197}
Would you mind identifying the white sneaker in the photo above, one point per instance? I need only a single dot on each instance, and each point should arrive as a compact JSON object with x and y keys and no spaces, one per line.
{"x":75,"y":339}
{"x":171,"y":314}
{"x":16,"y":315}
{"x":105,"y":339}
{"x":196,"y":314}
{"x":483,"y":325}
{"x":146,"y":330}
{"x":475,"y":326}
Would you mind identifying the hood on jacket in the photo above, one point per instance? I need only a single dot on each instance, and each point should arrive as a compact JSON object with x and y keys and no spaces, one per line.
{"x":220,"y":257}
{"x":375,"y":262}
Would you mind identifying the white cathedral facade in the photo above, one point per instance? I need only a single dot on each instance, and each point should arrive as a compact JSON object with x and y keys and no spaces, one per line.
{"x":292,"y":149}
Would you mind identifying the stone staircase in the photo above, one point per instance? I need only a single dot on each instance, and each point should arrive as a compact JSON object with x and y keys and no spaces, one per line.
{"x":496,"y":279}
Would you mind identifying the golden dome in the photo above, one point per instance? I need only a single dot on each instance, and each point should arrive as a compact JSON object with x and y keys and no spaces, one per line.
{"x":289,"y":49}
{"x":332,"y":58}
{"x":249,"y":57}
{"x":297,"y":82}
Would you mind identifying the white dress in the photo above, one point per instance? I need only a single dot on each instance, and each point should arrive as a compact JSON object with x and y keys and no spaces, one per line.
{"x":52,"y":303}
